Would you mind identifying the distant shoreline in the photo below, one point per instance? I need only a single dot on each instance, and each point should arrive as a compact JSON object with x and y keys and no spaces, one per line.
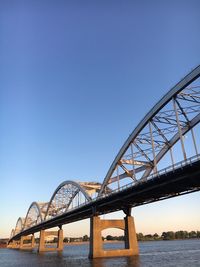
{"x":70,"y":243}
{"x":117,"y":241}
{"x":87,"y":242}
{"x":3,"y":245}
{"x":105,"y":242}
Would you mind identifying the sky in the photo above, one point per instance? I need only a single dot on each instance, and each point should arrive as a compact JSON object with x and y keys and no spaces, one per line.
{"x":76,"y":77}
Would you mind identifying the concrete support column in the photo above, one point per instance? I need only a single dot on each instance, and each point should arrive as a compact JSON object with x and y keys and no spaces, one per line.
{"x":43,"y":234}
{"x":60,"y":240}
{"x":95,"y":237}
{"x":130,"y":236}
{"x":21,"y":242}
{"x":30,"y":245}
{"x":13,"y":244}
{"x":41,"y":247}
{"x":33,"y":241}
{"x":96,"y":243}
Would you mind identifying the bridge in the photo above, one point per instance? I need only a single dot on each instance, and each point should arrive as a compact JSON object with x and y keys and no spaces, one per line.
{"x":159,"y":160}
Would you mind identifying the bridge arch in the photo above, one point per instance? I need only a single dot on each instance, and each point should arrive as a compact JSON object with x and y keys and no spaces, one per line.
{"x":19,"y":225}
{"x":176,"y":114}
{"x":12,"y":233}
{"x":33,"y":216}
{"x":64,"y":196}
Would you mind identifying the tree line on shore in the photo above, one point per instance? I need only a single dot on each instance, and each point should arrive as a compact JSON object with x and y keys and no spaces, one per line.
{"x":170,"y":235}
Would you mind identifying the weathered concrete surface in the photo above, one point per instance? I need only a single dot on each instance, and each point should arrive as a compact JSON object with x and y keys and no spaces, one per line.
{"x":43,"y":234}
{"x":96,"y":243}
{"x":15,"y":244}
{"x":26,"y":246}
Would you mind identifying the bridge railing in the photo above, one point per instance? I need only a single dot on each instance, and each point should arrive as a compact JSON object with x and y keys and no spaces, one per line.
{"x":154,"y":175}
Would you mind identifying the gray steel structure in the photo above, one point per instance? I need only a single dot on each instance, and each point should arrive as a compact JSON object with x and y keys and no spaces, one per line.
{"x":141,"y":172}
{"x":166,"y":123}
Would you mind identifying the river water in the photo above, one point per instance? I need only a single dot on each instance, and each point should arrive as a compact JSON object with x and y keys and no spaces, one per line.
{"x":179,"y":253}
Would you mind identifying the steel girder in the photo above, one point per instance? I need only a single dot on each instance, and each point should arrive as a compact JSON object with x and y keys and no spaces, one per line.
{"x":67,"y":191}
{"x":165,"y":124}
{"x":19,"y":225}
{"x":63,"y":197}
{"x":33,"y":216}
{"x":12,"y":233}
{"x":39,"y":212}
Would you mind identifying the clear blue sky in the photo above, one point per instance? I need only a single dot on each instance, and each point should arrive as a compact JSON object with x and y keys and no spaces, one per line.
{"x":76,"y":77}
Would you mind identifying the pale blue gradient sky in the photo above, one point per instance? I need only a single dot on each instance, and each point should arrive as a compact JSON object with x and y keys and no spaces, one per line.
{"x":76,"y":77}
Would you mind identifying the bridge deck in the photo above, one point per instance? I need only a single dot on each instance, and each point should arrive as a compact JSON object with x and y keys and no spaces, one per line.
{"x":183,"y":180}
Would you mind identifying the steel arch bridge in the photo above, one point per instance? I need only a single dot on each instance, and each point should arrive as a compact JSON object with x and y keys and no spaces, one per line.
{"x":67,"y":195}
{"x":160,"y":159}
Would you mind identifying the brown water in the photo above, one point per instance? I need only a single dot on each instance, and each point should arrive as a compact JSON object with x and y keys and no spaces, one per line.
{"x":179,"y":253}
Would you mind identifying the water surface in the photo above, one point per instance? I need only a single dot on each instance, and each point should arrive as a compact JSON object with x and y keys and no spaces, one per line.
{"x":179,"y":253}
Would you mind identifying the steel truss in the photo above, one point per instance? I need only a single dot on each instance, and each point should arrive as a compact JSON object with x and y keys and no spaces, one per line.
{"x":162,"y":129}
{"x":68,"y":195}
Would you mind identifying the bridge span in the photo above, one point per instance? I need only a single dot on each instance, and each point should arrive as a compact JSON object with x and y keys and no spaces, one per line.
{"x":159,"y":160}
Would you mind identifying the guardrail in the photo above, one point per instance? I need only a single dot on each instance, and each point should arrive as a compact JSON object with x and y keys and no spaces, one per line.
{"x":157,"y":174}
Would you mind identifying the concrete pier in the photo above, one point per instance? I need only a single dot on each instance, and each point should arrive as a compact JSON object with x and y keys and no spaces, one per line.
{"x":26,"y":245}
{"x":96,"y":243}
{"x":15,"y":244}
{"x":44,"y":234}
